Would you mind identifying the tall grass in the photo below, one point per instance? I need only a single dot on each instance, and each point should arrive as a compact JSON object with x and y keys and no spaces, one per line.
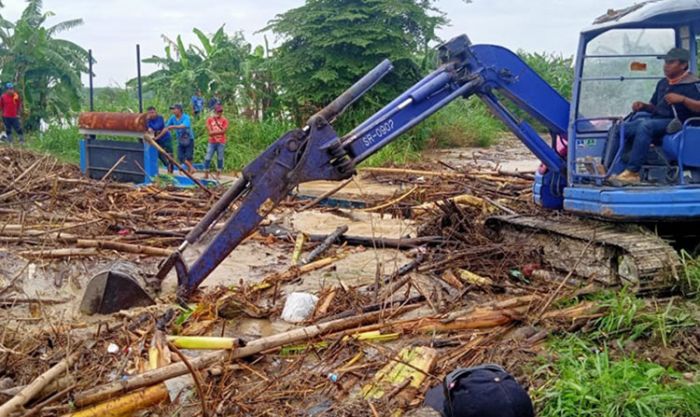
{"x":58,"y":141}
{"x":629,"y":318}
{"x":465,"y":123}
{"x":585,"y":381}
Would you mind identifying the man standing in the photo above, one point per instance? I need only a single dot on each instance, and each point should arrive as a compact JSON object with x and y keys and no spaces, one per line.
{"x":11,"y":107}
{"x":216,"y":126}
{"x":213,"y":101}
{"x":676,"y":95}
{"x":182,"y":125}
{"x":156,"y":126}
{"x":197,"y":103}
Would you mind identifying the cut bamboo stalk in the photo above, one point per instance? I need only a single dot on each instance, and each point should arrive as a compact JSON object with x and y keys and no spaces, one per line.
{"x":59,"y":253}
{"x":123,"y":247}
{"x":298,"y":248}
{"x":126,"y":405}
{"x":203,"y":342}
{"x":35,"y":387}
{"x":107,"y":391}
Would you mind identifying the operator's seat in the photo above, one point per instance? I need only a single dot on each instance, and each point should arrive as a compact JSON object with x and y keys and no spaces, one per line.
{"x":683,"y":147}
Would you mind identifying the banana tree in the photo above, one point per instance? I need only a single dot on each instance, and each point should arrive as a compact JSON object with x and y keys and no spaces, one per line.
{"x":45,"y":69}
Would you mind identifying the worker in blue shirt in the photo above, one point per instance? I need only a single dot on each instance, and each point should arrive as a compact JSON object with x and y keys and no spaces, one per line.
{"x":182,"y":125}
{"x":197,"y":103}
{"x":156,"y":125}
{"x":214,"y":101}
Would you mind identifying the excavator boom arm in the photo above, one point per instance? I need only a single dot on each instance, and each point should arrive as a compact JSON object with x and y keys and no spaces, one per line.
{"x":316,"y":152}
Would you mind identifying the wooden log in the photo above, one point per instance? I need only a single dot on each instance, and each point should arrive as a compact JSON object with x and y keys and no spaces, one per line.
{"x":327,"y":242}
{"x":123,"y":247}
{"x":59,"y":253}
{"x":107,"y":391}
{"x":35,"y":387}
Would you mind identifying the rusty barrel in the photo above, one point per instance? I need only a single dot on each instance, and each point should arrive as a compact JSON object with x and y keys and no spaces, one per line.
{"x":118,"y":122}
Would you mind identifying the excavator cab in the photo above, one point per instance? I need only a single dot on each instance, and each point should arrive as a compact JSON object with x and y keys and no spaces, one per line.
{"x":617,"y":64}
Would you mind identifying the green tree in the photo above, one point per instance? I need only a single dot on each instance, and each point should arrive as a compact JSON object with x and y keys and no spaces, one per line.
{"x":328,"y":44}
{"x":45,"y":69}
{"x":218,"y":63}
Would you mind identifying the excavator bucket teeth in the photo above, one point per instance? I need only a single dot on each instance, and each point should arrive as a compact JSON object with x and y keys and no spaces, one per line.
{"x":111,"y":291}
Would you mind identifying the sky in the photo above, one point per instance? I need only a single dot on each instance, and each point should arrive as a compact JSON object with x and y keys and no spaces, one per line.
{"x":112,"y":28}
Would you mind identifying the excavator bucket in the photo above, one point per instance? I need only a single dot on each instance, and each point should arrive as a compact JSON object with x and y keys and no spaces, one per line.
{"x":111,"y":291}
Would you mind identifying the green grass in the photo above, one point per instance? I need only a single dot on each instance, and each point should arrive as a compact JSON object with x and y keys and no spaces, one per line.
{"x":629,"y":318}
{"x":586,"y":381}
{"x":464,"y":123}
{"x":598,"y":373}
{"x":60,"y":142}
{"x":691,"y":272}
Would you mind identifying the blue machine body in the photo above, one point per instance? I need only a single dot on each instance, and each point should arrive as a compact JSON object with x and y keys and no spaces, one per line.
{"x":606,"y":83}
{"x":99,"y":156}
{"x":616,"y":65}
{"x":140,"y":163}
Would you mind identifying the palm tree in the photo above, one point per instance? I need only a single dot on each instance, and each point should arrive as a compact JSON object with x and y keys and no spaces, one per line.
{"x":45,"y":69}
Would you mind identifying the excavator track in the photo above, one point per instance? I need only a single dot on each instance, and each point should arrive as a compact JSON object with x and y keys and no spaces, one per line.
{"x":614,"y":254}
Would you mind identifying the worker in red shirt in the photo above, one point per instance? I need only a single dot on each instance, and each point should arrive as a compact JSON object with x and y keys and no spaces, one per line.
{"x":11,"y":108}
{"x":217,"y":125}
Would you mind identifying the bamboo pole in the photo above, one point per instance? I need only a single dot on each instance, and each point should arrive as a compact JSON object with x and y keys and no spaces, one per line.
{"x":107,"y":391}
{"x":123,"y":247}
{"x":149,"y":138}
{"x":35,"y":387}
{"x":325,"y":195}
{"x":327,"y":242}
{"x":59,"y":253}
{"x":126,"y":405}
{"x":111,"y":170}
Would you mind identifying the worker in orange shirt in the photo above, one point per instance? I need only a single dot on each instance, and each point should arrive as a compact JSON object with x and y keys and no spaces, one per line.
{"x":11,"y":108}
{"x":217,"y":125}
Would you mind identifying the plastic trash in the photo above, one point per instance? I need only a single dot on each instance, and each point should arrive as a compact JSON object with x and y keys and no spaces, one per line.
{"x":298,"y":307}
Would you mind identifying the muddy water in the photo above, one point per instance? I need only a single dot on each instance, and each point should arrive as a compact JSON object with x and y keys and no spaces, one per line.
{"x":509,"y":154}
{"x":250,"y":262}
{"x":253,"y":260}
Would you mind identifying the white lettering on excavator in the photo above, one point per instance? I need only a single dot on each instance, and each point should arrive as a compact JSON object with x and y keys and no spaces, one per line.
{"x":379,"y":132}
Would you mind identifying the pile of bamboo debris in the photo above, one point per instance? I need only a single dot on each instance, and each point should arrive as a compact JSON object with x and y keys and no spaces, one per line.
{"x":367,"y":350}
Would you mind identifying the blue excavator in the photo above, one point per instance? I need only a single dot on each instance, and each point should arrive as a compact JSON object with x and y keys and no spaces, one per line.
{"x":617,"y":233}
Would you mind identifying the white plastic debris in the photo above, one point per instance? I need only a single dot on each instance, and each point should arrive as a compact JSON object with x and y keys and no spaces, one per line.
{"x":112,"y":348}
{"x":298,"y":307}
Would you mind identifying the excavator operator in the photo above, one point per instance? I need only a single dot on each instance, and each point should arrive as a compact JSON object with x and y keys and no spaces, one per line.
{"x":676,"y":98}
